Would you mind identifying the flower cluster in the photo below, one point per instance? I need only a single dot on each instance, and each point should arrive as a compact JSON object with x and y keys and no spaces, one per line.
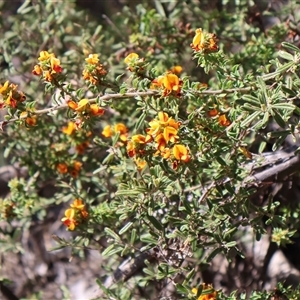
{"x":134,"y":63}
{"x":109,"y":131}
{"x":84,"y":108}
{"x":170,"y":83}
{"x":208,"y":292}
{"x":75,"y":215}
{"x":163,"y":132}
{"x":49,"y":66}
{"x":29,"y":117}
{"x":204,"y":42}
{"x":10,"y":96}
{"x":93,"y":72}
{"x":222,"y":119}
{"x":72,"y":168}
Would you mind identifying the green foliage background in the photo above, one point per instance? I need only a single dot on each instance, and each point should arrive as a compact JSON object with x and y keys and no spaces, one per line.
{"x":204,"y":205}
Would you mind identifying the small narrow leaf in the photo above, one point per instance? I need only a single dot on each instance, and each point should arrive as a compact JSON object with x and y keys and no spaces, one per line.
{"x":155,"y":222}
{"x":140,"y":121}
{"x":285,"y":55}
{"x":290,"y":46}
{"x":112,"y":234}
{"x":250,"y":118}
{"x":125,"y":228}
{"x":279,"y":120}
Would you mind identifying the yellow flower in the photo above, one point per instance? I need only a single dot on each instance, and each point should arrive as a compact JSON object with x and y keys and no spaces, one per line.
{"x":83,"y":105}
{"x":122,"y":129}
{"x":181,"y":153}
{"x":44,"y":55}
{"x":55,"y":65}
{"x":140,"y":139}
{"x":171,"y":82}
{"x":77,"y":165}
{"x":130,"y":58}
{"x":130,"y":149}
{"x":204,"y":41}
{"x":96,"y":110}
{"x":37,"y":70}
{"x":176,"y":69}
{"x":93,"y":59}
{"x":72,"y":104}
{"x":160,"y":142}
{"x":107,"y":131}
{"x":48,"y":77}
{"x":69,"y":219}
{"x":223,"y":121}
{"x":170,"y":134}
{"x":4,"y":88}
{"x":164,"y":124}
{"x":140,"y":163}
{"x":166,"y":153}
{"x":198,"y":40}
{"x":77,"y":204}
{"x":70,"y":129}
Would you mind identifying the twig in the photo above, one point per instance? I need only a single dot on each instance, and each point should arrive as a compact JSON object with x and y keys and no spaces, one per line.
{"x":106,"y":97}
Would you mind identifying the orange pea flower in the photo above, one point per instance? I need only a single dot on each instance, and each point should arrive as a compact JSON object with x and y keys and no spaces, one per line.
{"x":181,"y":153}
{"x":69,"y":219}
{"x":62,"y":168}
{"x":96,"y":110}
{"x":223,"y":121}
{"x":70,"y":129}
{"x":204,"y":42}
{"x":93,"y":59}
{"x":131,"y":58}
{"x":107,"y":131}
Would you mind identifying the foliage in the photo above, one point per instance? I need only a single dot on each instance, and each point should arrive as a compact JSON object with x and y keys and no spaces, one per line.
{"x":147,"y":129}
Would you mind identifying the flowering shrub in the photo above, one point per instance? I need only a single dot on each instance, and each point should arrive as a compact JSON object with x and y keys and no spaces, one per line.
{"x":162,"y":144}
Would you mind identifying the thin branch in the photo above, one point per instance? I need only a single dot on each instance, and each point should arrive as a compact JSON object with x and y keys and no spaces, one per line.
{"x":106,"y":97}
{"x":226,"y":91}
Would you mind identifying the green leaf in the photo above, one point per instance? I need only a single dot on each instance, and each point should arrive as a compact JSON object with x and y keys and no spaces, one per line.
{"x":250,"y":119}
{"x":140,"y":121}
{"x":278,"y":119}
{"x":231,"y":244}
{"x":133,"y":236}
{"x":125,"y":228}
{"x":251,"y":99}
{"x":112,"y":234}
{"x":148,"y":238}
{"x":111,"y":250}
{"x":182,"y":289}
{"x":287,"y":106}
{"x":25,"y":7}
{"x":290,"y":46}
{"x":285,"y":55}
{"x":155,"y":222}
